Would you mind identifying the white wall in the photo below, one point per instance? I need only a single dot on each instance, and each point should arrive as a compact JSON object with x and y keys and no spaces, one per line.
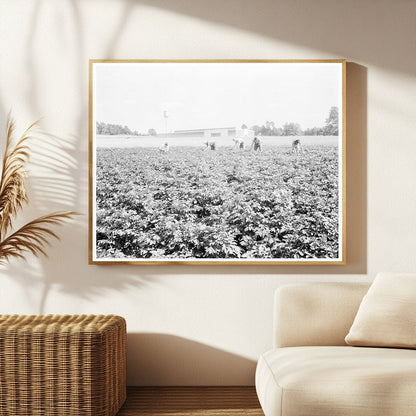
{"x":199,"y":324}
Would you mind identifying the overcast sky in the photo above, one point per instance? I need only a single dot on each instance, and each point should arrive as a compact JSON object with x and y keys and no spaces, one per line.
{"x":209,"y":95}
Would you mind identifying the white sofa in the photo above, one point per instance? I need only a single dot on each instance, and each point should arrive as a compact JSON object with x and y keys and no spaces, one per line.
{"x":311,"y":371}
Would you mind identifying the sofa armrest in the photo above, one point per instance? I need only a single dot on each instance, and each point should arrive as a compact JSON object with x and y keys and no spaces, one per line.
{"x":309,"y":314}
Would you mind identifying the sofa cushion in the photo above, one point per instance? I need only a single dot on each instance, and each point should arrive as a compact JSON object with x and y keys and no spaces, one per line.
{"x":387,"y":314}
{"x":342,"y":381}
{"x":315,"y":314}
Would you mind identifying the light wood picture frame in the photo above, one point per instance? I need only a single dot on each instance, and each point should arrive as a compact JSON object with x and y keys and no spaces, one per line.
{"x":217,"y":162}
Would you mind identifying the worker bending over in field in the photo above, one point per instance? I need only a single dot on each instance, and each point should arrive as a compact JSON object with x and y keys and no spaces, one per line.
{"x":256,"y":145}
{"x":210,"y":146}
{"x":297,"y":147}
{"x":238,"y":143}
{"x":164,"y":148}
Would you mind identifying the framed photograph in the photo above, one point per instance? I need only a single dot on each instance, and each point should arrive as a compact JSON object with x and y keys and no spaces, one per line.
{"x":217,"y":162}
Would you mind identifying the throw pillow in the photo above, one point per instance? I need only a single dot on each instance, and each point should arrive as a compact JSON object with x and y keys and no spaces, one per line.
{"x":387,"y":314}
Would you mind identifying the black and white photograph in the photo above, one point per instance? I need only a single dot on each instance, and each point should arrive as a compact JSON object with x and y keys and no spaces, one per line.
{"x":217,"y":162}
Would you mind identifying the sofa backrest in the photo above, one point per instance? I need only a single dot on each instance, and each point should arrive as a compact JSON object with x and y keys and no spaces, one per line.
{"x":309,"y":314}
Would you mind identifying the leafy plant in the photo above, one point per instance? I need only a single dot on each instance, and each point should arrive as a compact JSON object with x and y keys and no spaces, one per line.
{"x":221,"y":204}
{"x":34,"y":236}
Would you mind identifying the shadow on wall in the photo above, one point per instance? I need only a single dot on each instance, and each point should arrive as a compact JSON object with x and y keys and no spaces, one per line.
{"x":64,"y":182}
{"x":340,"y":28}
{"x":356,"y":149}
{"x":53,"y":186}
{"x":61,"y":183}
{"x":162,"y":359}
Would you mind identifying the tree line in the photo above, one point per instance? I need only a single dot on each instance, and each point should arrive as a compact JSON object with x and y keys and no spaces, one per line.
{"x":294,"y":129}
{"x":330,"y":128}
{"x":114,"y":129}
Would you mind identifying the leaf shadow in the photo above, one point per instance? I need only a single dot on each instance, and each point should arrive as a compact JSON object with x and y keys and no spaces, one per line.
{"x":53,"y":187}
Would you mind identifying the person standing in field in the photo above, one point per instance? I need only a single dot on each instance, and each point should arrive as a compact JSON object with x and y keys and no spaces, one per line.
{"x":238,"y":143}
{"x":256,"y":145}
{"x":164,"y":148}
{"x":210,"y":145}
{"x":297,"y":147}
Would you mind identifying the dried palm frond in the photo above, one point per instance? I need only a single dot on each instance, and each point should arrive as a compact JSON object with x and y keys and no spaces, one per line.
{"x":34,"y":236}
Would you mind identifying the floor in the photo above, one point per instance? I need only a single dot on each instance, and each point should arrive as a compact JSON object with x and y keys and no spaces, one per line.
{"x":191,"y":401}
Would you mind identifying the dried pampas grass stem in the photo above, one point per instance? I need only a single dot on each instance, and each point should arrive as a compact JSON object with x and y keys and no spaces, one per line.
{"x":34,"y":236}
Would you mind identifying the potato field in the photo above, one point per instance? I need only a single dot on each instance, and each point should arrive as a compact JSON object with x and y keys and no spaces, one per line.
{"x":223,"y":204}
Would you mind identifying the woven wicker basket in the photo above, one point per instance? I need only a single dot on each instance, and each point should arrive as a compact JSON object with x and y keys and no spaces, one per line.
{"x":52,"y":365}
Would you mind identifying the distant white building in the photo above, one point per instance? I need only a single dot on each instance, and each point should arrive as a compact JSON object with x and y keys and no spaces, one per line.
{"x":220,"y":132}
